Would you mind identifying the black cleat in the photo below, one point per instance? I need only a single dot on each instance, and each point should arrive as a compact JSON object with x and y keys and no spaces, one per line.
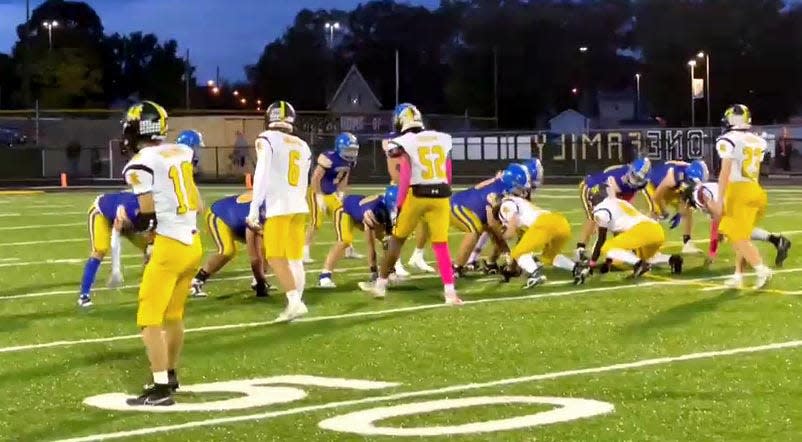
{"x":581,"y":272}
{"x":783,"y":245}
{"x":459,"y":271}
{"x":641,"y":268}
{"x":172,"y":380}
{"x":535,"y":279}
{"x":490,"y":268}
{"x":472,"y":266}
{"x":675,"y":262}
{"x":158,"y":395}
{"x":510,"y":271}
{"x":261,"y":290}
{"x":606,"y":266}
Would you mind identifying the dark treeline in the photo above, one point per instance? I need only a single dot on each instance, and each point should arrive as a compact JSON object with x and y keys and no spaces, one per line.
{"x":447,"y":56}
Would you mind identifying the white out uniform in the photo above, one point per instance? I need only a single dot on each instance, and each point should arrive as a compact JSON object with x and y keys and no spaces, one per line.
{"x":166,"y":172}
{"x":744,"y":200}
{"x":635,"y":231}
{"x":545,"y":232}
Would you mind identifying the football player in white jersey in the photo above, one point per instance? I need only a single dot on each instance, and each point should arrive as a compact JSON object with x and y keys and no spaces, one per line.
{"x":280,"y":185}
{"x":543,"y":231}
{"x":161,"y":175}
{"x":743,"y":201}
{"x":705,"y":197}
{"x":424,"y":159}
{"x":638,"y":238}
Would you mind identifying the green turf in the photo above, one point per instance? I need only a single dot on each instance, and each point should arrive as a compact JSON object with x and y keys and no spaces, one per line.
{"x":416,"y":342}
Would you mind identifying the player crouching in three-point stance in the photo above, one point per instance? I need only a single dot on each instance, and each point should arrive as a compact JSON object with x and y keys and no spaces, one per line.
{"x":744,"y":201}
{"x":638,"y":238}
{"x":161,"y":177}
{"x":374,"y":214}
{"x":425,"y":167}
{"x":280,"y":186}
{"x":226,"y":222}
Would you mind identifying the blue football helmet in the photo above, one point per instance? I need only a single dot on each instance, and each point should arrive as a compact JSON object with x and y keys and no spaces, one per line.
{"x":639,"y":171}
{"x":346,"y":146}
{"x":514,"y":177}
{"x":391,"y":197}
{"x":535,"y":169}
{"x":697,"y":172}
{"x":405,"y":117}
{"x":191,"y":138}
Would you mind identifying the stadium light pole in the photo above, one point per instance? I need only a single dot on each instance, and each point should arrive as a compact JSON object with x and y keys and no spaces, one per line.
{"x":637,"y":96}
{"x":331,"y":27}
{"x":50,"y":25}
{"x":706,"y":56}
{"x":692,"y":64}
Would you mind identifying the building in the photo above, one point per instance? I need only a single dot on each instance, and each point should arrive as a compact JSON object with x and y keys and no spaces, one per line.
{"x":354,"y":96}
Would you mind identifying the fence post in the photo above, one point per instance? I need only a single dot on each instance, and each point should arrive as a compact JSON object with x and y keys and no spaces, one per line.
{"x":217,"y":162}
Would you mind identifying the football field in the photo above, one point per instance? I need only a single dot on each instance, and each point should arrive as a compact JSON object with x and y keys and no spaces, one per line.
{"x":659,"y":359}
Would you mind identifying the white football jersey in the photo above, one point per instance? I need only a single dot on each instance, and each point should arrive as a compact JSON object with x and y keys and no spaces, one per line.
{"x":428,"y":152}
{"x":618,"y":215}
{"x":282,"y":174}
{"x":516,"y":207}
{"x":166,"y":171}
{"x":746,"y":149}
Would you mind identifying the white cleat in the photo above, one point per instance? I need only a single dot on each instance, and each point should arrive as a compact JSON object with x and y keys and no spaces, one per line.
{"x":763,"y":278}
{"x":453,"y":299}
{"x":376,"y":292}
{"x":115,"y":280}
{"x":734,"y":282}
{"x":400,"y":270}
{"x":196,"y":289}
{"x":350,"y":253}
{"x":84,"y":301}
{"x":418,"y":263}
{"x":326,"y":283}
{"x":690,"y":249}
{"x":293,"y":311}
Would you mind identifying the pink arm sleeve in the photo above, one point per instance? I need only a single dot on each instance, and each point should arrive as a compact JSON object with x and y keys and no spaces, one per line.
{"x":405,"y":175}
{"x":713,"y":239}
{"x":448,"y":170}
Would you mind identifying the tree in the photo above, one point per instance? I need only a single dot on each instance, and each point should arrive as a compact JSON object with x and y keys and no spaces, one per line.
{"x":9,"y":81}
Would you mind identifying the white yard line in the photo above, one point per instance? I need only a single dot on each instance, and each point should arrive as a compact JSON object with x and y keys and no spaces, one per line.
{"x":639,"y":364}
{"x":46,"y":241}
{"x":42,"y":226}
{"x":582,"y":291}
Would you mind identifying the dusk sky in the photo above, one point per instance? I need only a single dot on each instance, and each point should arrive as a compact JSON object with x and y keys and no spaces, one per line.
{"x":228,"y":33}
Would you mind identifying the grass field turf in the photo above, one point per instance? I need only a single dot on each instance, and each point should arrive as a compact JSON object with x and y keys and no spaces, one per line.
{"x":54,"y":355}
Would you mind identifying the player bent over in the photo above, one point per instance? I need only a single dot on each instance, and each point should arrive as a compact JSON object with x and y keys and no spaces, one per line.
{"x":280,"y":186}
{"x":161,"y":176}
{"x":226,"y":222}
{"x":425,"y":172}
{"x":374,"y":215}
{"x":111,"y":215}
{"x":705,"y":197}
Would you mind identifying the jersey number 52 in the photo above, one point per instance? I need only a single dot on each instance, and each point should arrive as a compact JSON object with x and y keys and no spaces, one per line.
{"x":433,"y":160}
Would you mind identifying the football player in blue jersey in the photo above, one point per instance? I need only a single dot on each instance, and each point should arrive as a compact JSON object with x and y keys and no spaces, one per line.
{"x":667,"y":181}
{"x":225,"y":220}
{"x":329,"y":181}
{"x":111,"y":214}
{"x":624,"y":180}
{"x":469,"y":208}
{"x":373,"y":214}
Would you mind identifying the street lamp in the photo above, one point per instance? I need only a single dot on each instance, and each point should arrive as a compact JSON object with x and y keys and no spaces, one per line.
{"x":243,"y":101}
{"x":692,"y":64}
{"x":236,"y":93}
{"x":210,"y":83}
{"x":50,"y":25}
{"x":706,"y":56}
{"x":583,"y":49}
{"x":215,"y":90}
{"x":331,"y":27}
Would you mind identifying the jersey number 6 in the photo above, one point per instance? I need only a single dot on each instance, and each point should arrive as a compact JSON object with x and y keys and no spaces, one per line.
{"x":183,"y":184}
{"x":294,"y":172}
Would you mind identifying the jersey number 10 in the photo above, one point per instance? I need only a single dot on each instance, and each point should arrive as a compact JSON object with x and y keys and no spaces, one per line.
{"x":182,"y":179}
{"x":434,"y":162}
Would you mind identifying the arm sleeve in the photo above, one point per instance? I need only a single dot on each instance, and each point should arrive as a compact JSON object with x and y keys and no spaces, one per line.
{"x":713,"y":250}
{"x":448,"y":170}
{"x":264,"y":153}
{"x":405,"y":177}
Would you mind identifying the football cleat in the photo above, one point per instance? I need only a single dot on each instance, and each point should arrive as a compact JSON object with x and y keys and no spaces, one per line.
{"x":417,"y":261}
{"x":509,"y":271}
{"x":580,"y":254}
{"x":763,"y":278}
{"x":400,"y":270}
{"x":85,"y":300}
{"x":350,"y":253}
{"x":690,"y":249}
{"x":261,"y":289}
{"x":155,"y":396}
{"x":472,"y":266}
{"x":115,"y":280}
{"x":640,"y":269}
{"x":535,"y":279}
{"x":783,"y":245}
{"x":196,"y":289}
{"x":490,"y":268}
{"x":735,"y":282}
{"x":675,"y":262}
{"x":172,"y":381}
{"x":293,"y":311}
{"x":581,"y":272}
{"x":459,"y":271}
{"x":326,"y":282}
{"x":370,"y":287}
{"x":453,"y":299}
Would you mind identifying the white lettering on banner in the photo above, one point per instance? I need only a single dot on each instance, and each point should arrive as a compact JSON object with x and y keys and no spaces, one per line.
{"x":255,"y":393}
{"x":362,"y":422}
{"x":352,"y":124}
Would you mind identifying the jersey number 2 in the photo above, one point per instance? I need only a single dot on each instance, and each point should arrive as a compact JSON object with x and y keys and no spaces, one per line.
{"x":294,"y":171}
{"x":182,"y":179}
{"x":432,"y":167}
{"x":751,"y":166}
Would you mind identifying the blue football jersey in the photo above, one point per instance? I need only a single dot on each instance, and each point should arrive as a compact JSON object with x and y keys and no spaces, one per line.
{"x":619,"y":174}
{"x":107,"y":204}
{"x":659,"y":171}
{"x":233,"y":210}
{"x":336,"y":170}
{"x":477,"y":198}
{"x":355,"y":206}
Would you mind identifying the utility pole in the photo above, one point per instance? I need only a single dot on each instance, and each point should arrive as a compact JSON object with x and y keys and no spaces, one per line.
{"x":26,"y":69}
{"x":186,"y":78}
{"x":495,"y":84}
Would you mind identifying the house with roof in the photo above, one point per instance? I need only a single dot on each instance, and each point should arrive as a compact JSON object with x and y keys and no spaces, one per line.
{"x":354,"y":95}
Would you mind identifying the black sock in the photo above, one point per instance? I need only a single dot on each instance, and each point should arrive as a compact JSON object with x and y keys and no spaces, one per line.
{"x":202,"y":276}
{"x":774,"y":239}
{"x":686,"y":238}
{"x":580,"y":245}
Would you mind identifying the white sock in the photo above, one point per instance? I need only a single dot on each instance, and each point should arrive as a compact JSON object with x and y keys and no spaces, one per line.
{"x":160,"y":377}
{"x":762,"y":269}
{"x":759,"y":234}
{"x":417,"y":254}
{"x":527,"y":262}
{"x":564,"y":262}
{"x":659,"y":259}
{"x":449,"y":290}
{"x":624,"y":256}
{"x":306,"y":251}
{"x":381,"y":283}
{"x":477,"y":250}
{"x":738,"y":276}
{"x":297,"y":269}
{"x":293,"y":296}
